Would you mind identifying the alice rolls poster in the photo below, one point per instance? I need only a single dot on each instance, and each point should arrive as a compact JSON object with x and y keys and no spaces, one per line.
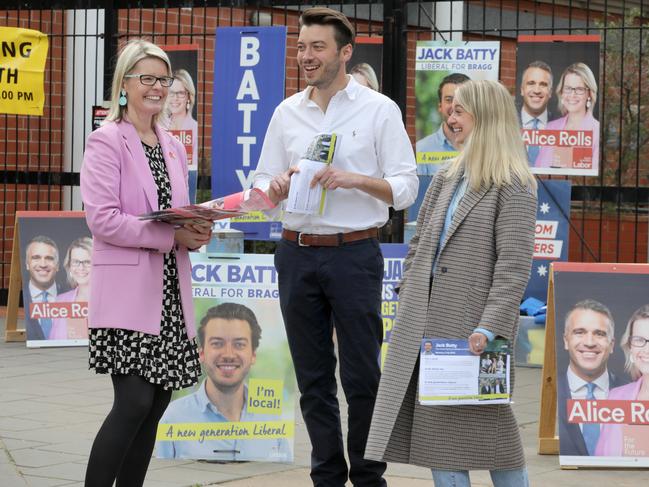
{"x":602,"y":343}
{"x":557,"y":93}
{"x":56,"y":267}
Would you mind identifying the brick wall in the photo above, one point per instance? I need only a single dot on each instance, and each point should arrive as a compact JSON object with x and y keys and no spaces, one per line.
{"x":621,"y":238}
{"x":36,"y":143}
{"x":29,"y":143}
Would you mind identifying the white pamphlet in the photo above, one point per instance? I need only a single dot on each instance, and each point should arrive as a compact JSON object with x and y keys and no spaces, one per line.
{"x":450,"y":374}
{"x":302,"y":198}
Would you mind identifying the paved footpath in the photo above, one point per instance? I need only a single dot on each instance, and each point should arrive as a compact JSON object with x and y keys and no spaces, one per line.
{"x":51,"y":407}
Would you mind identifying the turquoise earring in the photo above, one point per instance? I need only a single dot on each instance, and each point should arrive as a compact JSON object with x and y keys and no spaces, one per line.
{"x":122,"y":98}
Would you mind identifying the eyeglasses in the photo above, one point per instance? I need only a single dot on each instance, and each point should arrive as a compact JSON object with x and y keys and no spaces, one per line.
{"x":150,"y":80}
{"x":80,"y":263}
{"x":569,"y":90}
{"x":638,"y":342}
{"x":178,"y":94}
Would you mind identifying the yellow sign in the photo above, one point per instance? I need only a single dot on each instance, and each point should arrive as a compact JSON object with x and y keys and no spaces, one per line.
{"x":23,"y":53}
{"x":253,"y":216}
{"x":265,"y":396}
{"x":435,"y":157}
{"x":243,"y":430}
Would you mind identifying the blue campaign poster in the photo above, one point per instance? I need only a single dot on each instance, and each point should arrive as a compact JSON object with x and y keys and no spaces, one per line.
{"x":249,"y":66}
{"x":551,"y":235}
{"x":393,"y":257}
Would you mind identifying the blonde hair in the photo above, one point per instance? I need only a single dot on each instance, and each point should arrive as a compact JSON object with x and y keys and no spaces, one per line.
{"x":587,"y":76}
{"x":368,"y":73}
{"x":84,"y":243}
{"x":641,"y":313}
{"x":132,"y":53}
{"x":494,"y":150}
{"x":186,"y":79}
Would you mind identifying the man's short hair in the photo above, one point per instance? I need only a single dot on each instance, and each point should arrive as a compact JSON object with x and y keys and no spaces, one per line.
{"x":540,"y":65}
{"x":44,"y":240}
{"x":231,"y":311}
{"x":453,"y":78}
{"x":597,"y":307}
{"x":343,"y":29}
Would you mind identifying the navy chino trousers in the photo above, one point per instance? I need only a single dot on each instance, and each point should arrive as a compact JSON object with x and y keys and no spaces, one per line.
{"x":320,"y":286}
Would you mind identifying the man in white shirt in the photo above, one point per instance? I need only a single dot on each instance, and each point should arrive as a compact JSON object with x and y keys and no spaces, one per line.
{"x":536,"y":92}
{"x":588,"y":338}
{"x":330,"y":265}
{"x":42,"y":263}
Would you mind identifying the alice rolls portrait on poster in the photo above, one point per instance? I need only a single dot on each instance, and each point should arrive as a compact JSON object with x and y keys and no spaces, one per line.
{"x":577,"y":96}
{"x":635,"y":344}
{"x":181,"y":123}
{"x":77,"y":264}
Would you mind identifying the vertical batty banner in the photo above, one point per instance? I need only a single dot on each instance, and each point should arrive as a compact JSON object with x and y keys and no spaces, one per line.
{"x":246,"y":362}
{"x":435,"y":62}
{"x":22,"y":70}
{"x":56,"y":266}
{"x":558,"y":100}
{"x":181,"y":108}
{"x":393,"y":257}
{"x":248,"y":85}
{"x":602,"y":345}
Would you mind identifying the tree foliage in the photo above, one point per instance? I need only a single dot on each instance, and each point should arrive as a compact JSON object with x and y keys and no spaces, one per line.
{"x":625,"y":99}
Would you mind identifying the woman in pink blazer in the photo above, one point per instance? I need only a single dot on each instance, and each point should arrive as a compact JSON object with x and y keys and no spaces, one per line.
{"x":141,"y":320}
{"x":635,"y":344}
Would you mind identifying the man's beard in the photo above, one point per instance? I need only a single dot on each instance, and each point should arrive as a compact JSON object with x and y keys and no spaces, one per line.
{"x":328,"y":76}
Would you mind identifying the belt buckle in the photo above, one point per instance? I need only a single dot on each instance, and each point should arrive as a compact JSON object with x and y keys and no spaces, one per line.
{"x":299,"y":240}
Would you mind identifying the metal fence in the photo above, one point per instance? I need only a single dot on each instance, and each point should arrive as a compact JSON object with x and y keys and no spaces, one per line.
{"x":40,"y":157}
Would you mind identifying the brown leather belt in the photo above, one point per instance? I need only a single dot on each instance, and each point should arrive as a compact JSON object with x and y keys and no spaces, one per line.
{"x":332,"y":240}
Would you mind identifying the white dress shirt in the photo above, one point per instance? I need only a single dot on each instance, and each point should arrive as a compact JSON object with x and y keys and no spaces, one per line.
{"x":527,"y":120}
{"x":578,"y":387}
{"x":373,"y":142}
{"x":37,"y":294}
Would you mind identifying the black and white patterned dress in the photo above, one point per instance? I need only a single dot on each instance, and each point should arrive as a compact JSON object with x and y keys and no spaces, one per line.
{"x":169,"y":359}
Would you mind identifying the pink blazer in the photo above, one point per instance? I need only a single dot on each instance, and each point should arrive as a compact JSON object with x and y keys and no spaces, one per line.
{"x":610,"y":439}
{"x":127,"y":255}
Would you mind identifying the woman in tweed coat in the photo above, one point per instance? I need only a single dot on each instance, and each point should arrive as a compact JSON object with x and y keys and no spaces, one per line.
{"x":465,"y":273}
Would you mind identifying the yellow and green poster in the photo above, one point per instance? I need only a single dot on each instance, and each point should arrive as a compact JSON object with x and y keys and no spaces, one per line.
{"x":243,"y":408}
{"x":440,"y":67}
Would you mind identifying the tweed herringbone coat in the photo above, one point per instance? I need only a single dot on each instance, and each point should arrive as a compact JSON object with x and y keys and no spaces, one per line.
{"x":483,"y":268}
